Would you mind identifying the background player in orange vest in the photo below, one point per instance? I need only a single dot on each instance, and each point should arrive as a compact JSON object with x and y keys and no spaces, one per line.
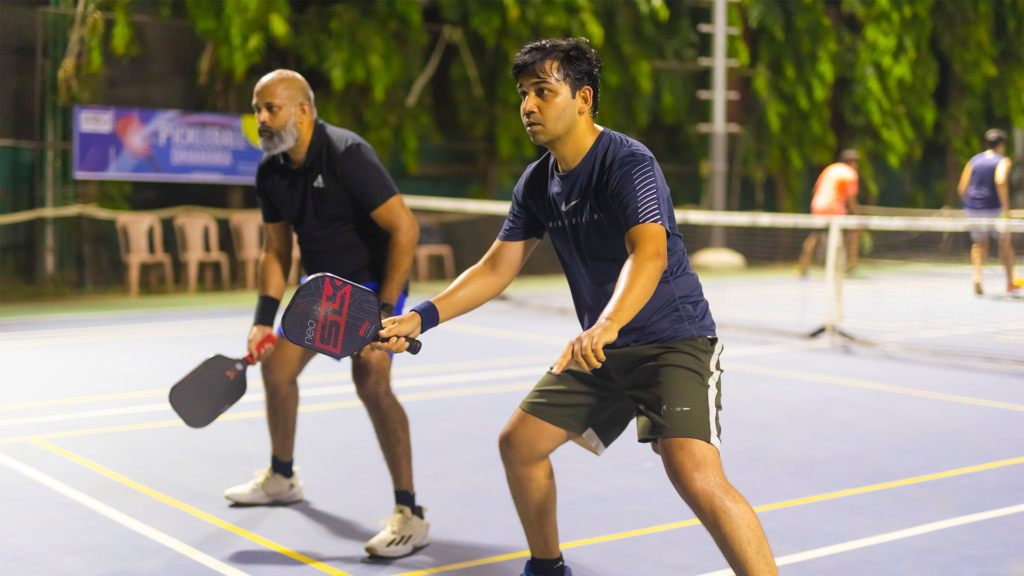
{"x":835,"y":194}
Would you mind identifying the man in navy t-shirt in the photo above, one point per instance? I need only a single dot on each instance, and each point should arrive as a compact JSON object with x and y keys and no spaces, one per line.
{"x":648,"y":349}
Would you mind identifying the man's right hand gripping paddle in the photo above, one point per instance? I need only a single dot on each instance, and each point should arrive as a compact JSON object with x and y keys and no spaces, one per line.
{"x":338,"y":318}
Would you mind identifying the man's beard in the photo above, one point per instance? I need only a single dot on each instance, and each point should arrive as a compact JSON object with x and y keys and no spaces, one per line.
{"x":280,"y":140}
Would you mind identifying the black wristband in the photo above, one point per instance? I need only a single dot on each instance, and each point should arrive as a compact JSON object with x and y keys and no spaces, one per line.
{"x":387,"y":309}
{"x":266,"y":310}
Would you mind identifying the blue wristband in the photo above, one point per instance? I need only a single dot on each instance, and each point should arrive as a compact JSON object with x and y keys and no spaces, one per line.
{"x":429,"y":316}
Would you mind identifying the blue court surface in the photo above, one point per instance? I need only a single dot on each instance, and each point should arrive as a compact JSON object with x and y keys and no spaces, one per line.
{"x":858,"y":461}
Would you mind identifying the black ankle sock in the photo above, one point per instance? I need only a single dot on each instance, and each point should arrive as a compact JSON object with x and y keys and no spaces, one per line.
{"x":542,"y":567}
{"x":406,"y":498}
{"x":281,"y":467}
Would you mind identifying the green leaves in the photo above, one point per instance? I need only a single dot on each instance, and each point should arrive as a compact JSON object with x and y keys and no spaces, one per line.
{"x":237,"y":32}
{"x":792,"y":53}
{"x":889,"y":77}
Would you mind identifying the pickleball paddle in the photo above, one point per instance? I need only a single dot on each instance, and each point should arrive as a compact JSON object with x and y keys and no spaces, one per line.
{"x":333,"y":316}
{"x":213,"y":387}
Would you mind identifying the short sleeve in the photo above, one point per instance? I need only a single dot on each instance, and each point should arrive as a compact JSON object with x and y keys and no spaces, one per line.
{"x":639,"y":192}
{"x":852,"y":184}
{"x":270,"y":212}
{"x":364,"y":177}
{"x":522,"y":222}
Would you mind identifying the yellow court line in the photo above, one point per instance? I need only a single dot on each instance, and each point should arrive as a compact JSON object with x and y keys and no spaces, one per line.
{"x":189,"y":509}
{"x":811,"y":377}
{"x":433,"y":395}
{"x":694,"y":522}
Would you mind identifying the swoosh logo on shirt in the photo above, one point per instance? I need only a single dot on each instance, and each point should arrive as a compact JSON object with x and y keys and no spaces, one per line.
{"x":569,"y":205}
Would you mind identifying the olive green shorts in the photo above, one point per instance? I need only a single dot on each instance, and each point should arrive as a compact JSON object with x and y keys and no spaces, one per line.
{"x":673,"y":390}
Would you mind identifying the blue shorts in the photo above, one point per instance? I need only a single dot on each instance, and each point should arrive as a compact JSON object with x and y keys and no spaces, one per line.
{"x":979,"y":233}
{"x":375,"y":286}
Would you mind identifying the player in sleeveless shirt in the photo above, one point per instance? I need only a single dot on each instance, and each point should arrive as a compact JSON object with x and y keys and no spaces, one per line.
{"x":985,"y":190}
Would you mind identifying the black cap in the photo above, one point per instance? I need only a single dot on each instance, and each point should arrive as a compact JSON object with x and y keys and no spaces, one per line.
{"x":994,"y":137}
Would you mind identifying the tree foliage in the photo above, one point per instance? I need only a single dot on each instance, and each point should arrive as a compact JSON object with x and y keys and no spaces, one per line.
{"x":793,"y":51}
{"x":903,"y":81}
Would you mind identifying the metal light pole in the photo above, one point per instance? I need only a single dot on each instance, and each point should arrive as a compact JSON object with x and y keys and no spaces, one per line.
{"x":719,"y":139}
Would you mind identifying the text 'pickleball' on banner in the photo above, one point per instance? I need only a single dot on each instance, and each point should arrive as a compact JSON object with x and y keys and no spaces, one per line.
{"x":137,"y":144}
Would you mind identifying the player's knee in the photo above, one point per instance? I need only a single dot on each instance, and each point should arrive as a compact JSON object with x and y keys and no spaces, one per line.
{"x":698,"y":484}
{"x":277,"y":381}
{"x":510,"y":444}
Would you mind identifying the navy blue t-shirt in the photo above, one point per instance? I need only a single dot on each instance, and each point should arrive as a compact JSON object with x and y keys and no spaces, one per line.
{"x":587,"y":211}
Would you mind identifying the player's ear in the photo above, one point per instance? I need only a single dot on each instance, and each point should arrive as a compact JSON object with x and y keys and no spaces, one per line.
{"x":584,"y":100}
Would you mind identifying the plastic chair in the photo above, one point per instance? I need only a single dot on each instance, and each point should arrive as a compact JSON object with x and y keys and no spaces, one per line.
{"x":247,"y":238}
{"x":133,"y":238}
{"x":424,"y":252}
{"x":432,"y":244}
{"x":199,"y":243}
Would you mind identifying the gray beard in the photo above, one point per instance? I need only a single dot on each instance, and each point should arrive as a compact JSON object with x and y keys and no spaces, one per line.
{"x":280,"y":140}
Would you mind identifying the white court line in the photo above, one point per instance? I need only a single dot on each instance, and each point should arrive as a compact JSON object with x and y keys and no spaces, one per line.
{"x":826,"y":379}
{"x":425,"y":369}
{"x":310,"y":379}
{"x":146,"y":331}
{"x":340,"y":376}
{"x":120,"y":517}
{"x":776,"y":348}
{"x":324,"y":391}
{"x":506,"y":334}
{"x":887,"y":537}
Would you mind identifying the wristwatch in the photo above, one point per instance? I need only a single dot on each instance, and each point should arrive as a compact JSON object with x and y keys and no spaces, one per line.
{"x":387,"y":309}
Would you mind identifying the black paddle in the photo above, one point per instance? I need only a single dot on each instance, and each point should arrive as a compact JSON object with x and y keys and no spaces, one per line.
{"x":333,"y":316}
{"x":213,"y":387}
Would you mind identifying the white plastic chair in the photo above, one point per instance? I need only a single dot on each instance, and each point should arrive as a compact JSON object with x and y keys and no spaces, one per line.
{"x":199,"y":243}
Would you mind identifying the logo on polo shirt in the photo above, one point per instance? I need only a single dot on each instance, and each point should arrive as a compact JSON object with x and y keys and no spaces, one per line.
{"x":319,"y":183}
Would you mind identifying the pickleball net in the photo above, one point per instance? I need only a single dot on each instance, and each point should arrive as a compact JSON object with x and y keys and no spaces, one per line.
{"x":911,"y":288}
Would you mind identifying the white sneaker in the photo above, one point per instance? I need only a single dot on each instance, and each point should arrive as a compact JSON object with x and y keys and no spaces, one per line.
{"x":267,"y":487}
{"x":403,"y":534}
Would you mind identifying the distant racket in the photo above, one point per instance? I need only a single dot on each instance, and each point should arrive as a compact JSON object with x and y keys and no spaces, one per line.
{"x":213,"y":387}
{"x":333,"y":316}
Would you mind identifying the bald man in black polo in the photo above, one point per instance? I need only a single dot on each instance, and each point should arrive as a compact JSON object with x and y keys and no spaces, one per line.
{"x":327,"y":184}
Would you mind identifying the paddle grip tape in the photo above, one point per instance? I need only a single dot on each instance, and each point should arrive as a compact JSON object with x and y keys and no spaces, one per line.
{"x":429,"y":316}
{"x":270,"y":339}
{"x":266,"y":310}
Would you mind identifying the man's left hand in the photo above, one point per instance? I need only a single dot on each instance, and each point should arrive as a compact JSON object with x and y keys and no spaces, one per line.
{"x":586,"y":351}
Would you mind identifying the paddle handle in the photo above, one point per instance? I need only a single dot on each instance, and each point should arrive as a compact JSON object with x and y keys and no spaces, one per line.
{"x":270,"y":339}
{"x":414,"y":345}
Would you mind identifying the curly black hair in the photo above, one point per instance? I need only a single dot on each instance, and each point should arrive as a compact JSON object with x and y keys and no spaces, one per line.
{"x":577,"y":62}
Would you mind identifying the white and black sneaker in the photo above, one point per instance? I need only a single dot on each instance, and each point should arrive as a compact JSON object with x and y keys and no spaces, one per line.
{"x":403,"y":534}
{"x":268,"y":487}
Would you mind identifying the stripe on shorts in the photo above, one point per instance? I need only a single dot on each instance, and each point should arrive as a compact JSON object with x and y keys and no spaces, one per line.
{"x":714,"y":382}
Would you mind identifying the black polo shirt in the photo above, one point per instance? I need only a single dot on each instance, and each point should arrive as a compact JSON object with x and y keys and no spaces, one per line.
{"x":328,"y":201}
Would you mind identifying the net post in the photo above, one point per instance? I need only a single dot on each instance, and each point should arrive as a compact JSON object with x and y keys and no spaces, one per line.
{"x":833,"y":279}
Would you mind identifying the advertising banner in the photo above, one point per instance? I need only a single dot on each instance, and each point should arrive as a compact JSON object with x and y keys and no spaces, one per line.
{"x":137,"y":144}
